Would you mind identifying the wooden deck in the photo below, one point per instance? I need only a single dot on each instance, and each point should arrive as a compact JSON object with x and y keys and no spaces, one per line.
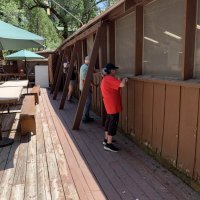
{"x":59,"y":163}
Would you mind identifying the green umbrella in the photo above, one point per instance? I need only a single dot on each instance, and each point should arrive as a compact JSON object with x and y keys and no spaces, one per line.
{"x":13,"y":38}
{"x":24,"y":55}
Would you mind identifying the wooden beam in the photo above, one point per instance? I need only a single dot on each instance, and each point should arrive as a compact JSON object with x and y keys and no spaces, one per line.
{"x":59,"y":77}
{"x":84,"y":49}
{"x":83,"y":35}
{"x":129,"y":4}
{"x":190,"y":31}
{"x":103,"y":61}
{"x":139,"y":40}
{"x":88,"y":80}
{"x":69,"y":74}
{"x":56,"y":71}
{"x":50,"y":68}
{"x":111,"y":42}
{"x":79,"y":54}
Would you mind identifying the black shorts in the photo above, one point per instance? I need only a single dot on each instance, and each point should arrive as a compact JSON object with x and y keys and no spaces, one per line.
{"x":111,"y":124}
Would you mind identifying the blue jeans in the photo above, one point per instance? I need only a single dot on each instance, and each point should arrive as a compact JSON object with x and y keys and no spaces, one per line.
{"x":86,"y":111}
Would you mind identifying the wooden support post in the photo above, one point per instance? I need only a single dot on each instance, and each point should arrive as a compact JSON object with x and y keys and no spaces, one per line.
{"x":84,"y":50}
{"x":190,"y":31}
{"x":79,"y":63}
{"x":111,"y":43}
{"x":69,"y":74}
{"x":56,"y":71}
{"x":88,"y":80}
{"x":79,"y":55}
{"x":50,"y":68}
{"x":103,"y":61}
{"x":139,"y":40}
{"x":59,"y":77}
{"x":129,"y":4}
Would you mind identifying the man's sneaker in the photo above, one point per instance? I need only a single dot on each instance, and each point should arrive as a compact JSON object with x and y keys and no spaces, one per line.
{"x":91,"y":119}
{"x":88,"y":120}
{"x":111,"y":147}
{"x":105,"y":141}
{"x":70,"y":100}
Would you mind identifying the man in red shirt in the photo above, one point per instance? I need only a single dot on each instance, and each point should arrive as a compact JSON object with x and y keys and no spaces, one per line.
{"x":110,"y":88}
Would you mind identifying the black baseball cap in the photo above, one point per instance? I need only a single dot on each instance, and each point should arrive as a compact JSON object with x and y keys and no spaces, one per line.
{"x":110,"y":66}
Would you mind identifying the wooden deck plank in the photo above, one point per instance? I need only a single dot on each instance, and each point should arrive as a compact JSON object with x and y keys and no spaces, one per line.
{"x":9,"y":172}
{"x":43,"y":186}
{"x":54,"y":176}
{"x":20,"y":170}
{"x":73,"y":163}
{"x":20,"y":174}
{"x":67,"y":181}
{"x":31,"y":174}
{"x":8,"y":159}
{"x":61,"y":162}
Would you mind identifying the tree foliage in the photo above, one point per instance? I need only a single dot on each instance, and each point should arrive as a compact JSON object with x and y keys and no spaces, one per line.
{"x":32,"y":16}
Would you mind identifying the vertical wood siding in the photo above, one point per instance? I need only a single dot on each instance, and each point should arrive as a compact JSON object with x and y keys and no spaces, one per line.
{"x":188,"y":129}
{"x":147,"y":116}
{"x":125,"y":109}
{"x":158,"y":117}
{"x":197,"y":157}
{"x":138,"y":89}
{"x":171,"y":123}
{"x":130,"y":107}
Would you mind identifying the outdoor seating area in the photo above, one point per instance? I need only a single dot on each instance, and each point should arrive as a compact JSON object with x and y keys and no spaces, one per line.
{"x":60,"y":163}
{"x":104,"y":105}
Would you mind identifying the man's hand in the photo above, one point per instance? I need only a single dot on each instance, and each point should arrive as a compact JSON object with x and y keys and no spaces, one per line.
{"x":123,"y":82}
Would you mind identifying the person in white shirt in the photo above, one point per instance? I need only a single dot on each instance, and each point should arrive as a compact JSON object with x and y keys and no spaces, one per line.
{"x":83,"y":72}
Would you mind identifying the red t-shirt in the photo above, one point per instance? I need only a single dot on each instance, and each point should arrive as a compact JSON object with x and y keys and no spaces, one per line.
{"x":111,"y":94}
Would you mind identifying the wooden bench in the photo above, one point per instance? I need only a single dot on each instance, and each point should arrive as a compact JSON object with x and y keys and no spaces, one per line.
{"x":27,"y":117}
{"x":36,"y":92}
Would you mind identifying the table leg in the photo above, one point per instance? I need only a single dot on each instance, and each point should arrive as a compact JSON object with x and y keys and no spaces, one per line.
{"x":4,"y":141}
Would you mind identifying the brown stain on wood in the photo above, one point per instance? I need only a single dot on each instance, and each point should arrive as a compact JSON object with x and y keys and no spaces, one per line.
{"x":171,"y":124}
{"x":147,"y":116}
{"x":188,"y":129}
{"x":158,"y":117}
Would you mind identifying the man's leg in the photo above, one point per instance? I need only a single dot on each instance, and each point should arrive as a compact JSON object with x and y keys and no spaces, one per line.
{"x":112,"y":129}
{"x":86,"y":112}
{"x":70,"y":91}
{"x":106,"y":129}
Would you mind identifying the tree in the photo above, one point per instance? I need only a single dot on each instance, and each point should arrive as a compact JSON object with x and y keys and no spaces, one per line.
{"x":81,"y":9}
{"x":36,"y":21}
{"x":32,"y":16}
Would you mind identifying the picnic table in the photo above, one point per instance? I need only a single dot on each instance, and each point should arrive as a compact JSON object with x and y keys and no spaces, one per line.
{"x":8,"y":95}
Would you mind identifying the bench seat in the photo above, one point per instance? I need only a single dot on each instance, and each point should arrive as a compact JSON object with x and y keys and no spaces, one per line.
{"x":27,"y":116}
{"x":36,"y":92}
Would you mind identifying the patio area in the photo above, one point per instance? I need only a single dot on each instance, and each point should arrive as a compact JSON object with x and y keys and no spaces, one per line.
{"x":59,"y":163}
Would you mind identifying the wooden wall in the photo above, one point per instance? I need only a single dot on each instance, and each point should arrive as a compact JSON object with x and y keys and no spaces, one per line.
{"x":167,"y":121}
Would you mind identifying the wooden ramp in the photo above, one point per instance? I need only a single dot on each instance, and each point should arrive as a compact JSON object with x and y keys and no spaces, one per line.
{"x":59,"y":163}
